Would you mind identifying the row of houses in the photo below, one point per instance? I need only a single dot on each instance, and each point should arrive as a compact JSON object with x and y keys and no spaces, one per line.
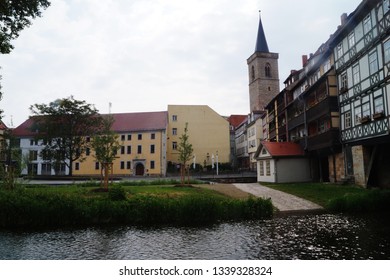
{"x":330,"y":122}
{"x":332,"y":116}
{"x":149,"y":143}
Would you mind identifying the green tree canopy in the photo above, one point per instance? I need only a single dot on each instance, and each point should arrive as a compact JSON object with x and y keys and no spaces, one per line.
{"x":65,"y":126}
{"x":15,"y":15}
{"x":106,"y":144}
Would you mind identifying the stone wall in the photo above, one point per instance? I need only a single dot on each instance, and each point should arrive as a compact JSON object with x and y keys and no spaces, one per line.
{"x":340,"y":170}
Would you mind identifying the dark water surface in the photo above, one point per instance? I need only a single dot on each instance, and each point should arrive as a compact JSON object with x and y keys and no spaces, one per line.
{"x":324,"y":236}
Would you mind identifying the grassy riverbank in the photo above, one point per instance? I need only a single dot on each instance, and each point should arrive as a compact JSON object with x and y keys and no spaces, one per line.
{"x":60,"y":206}
{"x":339,"y":198}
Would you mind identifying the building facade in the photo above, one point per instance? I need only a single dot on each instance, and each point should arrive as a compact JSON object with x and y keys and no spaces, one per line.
{"x":362,"y":64}
{"x":209,"y":134}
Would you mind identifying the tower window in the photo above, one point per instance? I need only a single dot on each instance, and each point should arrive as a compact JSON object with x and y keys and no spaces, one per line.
{"x":253,"y":73}
{"x":268,"y":70}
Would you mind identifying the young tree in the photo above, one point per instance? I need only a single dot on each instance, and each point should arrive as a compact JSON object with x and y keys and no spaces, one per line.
{"x":185,"y":154}
{"x":64,"y":126}
{"x":106,"y":145}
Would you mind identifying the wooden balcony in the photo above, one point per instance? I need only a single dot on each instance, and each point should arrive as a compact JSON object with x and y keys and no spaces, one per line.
{"x":324,"y":107}
{"x":327,"y":139}
{"x":295,"y":121}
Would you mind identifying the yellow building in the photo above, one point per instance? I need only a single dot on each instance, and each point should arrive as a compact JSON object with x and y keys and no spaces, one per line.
{"x":142,"y":137}
{"x":208,"y":133}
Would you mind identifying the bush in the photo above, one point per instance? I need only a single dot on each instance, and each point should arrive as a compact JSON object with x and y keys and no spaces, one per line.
{"x":117,"y":193}
{"x":370,"y":201}
{"x":34,"y":208}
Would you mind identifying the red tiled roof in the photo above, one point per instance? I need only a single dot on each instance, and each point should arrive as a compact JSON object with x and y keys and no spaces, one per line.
{"x":125,"y":122}
{"x":282,"y":149}
{"x":236,"y":120}
{"x":2,"y":126}
{"x":128,"y":122}
{"x":24,"y":129}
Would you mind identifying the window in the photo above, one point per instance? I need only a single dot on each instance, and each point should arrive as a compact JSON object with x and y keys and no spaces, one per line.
{"x":327,"y":65}
{"x":139,"y":136}
{"x":33,"y":142}
{"x":122,"y":150}
{"x":122,"y":165}
{"x":386,"y":51}
{"x":152,"y":164}
{"x":253,"y":73}
{"x":174,"y":131}
{"x":344,"y":81}
{"x":268,"y":167}
{"x":358,"y":114}
{"x":261,"y":168}
{"x":174,"y":118}
{"x":373,"y":62}
{"x":386,"y":6}
{"x":367,"y":24}
{"x":123,"y":137}
{"x":128,"y":150}
{"x":33,"y":155}
{"x":97,"y":165}
{"x":268,"y":70}
{"x":153,"y":136}
{"x":356,"y":74}
{"x":87,"y":151}
{"x":152,"y":149}
{"x":366,"y":109}
{"x":378,"y":105}
{"x":139,"y":149}
{"x":174,"y":145}
{"x":347,"y":119}
{"x":340,"y":51}
{"x":46,"y":169}
{"x":88,"y":139}
{"x":351,"y":39}
{"x":129,"y":137}
{"x":77,"y":166}
{"x":128,"y":165}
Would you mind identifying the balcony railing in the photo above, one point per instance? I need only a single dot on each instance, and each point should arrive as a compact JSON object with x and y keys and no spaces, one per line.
{"x":321,"y":108}
{"x":326,"y":139}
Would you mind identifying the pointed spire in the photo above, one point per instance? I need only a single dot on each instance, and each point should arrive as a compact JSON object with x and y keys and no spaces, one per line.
{"x":261,"y":43}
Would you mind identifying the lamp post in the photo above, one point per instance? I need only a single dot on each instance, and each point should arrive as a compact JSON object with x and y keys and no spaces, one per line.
{"x":217,"y":162}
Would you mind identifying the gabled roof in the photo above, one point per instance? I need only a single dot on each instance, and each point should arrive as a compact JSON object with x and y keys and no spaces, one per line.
{"x":261,"y":42}
{"x":236,"y":120}
{"x":281,"y":149}
{"x":2,"y":126}
{"x":125,"y":122}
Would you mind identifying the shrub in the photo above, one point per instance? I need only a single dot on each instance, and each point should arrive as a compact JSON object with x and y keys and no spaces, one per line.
{"x":117,"y":193}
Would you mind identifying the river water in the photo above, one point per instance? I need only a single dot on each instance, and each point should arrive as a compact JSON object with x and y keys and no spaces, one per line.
{"x":322,"y":236}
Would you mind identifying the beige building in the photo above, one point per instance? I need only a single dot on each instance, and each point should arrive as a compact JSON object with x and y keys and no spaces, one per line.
{"x":208,"y":133}
{"x":142,"y":137}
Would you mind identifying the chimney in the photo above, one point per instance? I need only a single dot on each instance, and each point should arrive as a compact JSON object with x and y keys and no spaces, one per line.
{"x":304,"y":60}
{"x":344,"y":18}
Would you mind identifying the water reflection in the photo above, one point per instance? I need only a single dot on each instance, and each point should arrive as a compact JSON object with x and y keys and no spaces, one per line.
{"x":295,"y":237}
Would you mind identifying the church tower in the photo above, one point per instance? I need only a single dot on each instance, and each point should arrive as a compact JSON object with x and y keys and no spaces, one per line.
{"x":263,"y":73}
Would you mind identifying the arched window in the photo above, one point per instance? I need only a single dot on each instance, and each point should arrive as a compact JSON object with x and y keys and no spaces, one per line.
{"x":268,"y":70}
{"x":253,"y":73}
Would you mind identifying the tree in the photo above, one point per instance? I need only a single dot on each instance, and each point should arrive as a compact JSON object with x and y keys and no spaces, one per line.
{"x":185,"y":154}
{"x":15,"y":16}
{"x":106,"y":145}
{"x":65,"y":126}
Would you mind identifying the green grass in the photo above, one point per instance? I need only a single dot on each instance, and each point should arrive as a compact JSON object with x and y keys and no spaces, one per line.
{"x":74,"y":205}
{"x":339,"y":198}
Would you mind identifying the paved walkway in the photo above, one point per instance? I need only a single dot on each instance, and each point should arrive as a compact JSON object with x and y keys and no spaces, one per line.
{"x":284,"y":202}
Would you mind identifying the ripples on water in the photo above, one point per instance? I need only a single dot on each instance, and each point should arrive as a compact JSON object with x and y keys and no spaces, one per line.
{"x":294,"y":237}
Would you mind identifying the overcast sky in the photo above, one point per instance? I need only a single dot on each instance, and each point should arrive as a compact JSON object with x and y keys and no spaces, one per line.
{"x":142,"y":55}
